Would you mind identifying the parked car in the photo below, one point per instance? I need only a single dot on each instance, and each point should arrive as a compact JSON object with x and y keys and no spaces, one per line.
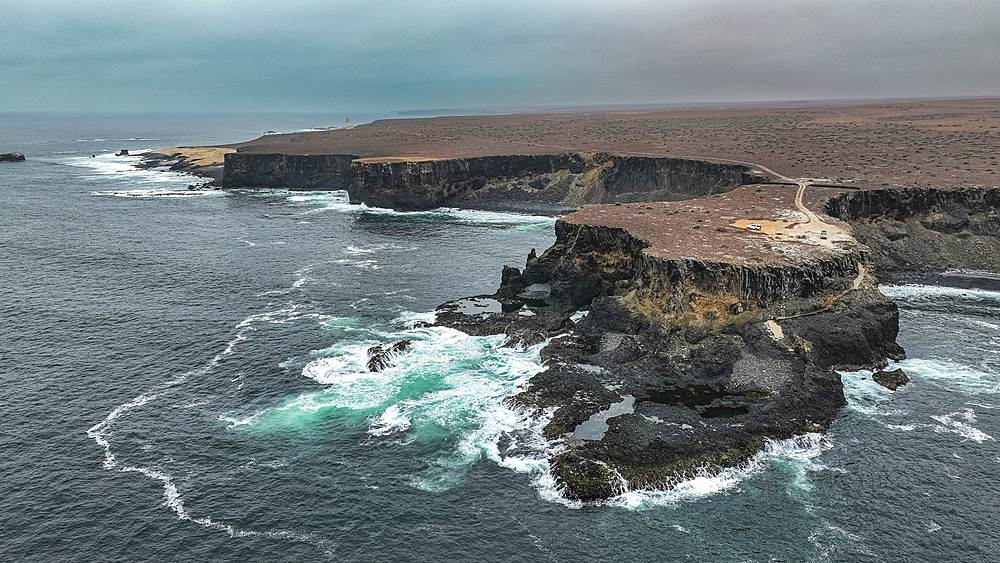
{"x":754,"y":227}
{"x":823,"y":235}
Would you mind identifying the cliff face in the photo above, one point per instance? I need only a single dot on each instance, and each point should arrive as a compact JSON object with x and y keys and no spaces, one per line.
{"x":603,"y":260}
{"x":287,"y":171}
{"x":925,"y":229}
{"x":516,"y":182}
{"x":695,"y":364}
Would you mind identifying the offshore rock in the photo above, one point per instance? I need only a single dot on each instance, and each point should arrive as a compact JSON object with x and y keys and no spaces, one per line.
{"x":12,"y":157}
{"x":697,"y":351}
{"x":380,"y":357}
{"x":891,"y":380}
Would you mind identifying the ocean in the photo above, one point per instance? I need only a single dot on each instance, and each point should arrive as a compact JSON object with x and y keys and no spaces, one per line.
{"x":184,"y":379}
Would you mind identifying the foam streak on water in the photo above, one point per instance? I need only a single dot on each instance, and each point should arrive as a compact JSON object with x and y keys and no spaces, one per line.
{"x":103,"y":434}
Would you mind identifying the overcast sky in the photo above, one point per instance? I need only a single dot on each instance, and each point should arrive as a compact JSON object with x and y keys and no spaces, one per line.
{"x":376,"y":56}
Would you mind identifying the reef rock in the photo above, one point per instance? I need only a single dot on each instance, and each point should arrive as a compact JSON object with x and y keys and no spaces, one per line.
{"x":12,"y":157}
{"x":891,"y":379}
{"x":380,"y":357}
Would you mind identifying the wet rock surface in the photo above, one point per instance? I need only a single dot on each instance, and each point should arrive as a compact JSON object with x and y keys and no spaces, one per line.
{"x":893,"y":379}
{"x":177,"y":162}
{"x":11,"y":157}
{"x":382,"y":356}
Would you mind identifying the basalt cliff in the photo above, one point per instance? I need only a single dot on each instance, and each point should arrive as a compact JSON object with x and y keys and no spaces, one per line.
{"x":925,"y":230}
{"x":662,"y":363}
{"x":553,"y":183}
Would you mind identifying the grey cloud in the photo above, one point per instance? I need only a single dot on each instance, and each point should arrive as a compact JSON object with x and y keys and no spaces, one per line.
{"x":310,"y":56}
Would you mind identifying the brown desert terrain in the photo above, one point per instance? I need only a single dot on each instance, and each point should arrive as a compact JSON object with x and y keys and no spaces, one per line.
{"x":924,"y":143}
{"x":931,"y":143}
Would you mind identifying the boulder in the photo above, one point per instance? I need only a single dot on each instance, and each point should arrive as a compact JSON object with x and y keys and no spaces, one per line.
{"x":380,"y":357}
{"x":891,"y":379}
{"x":12,"y":157}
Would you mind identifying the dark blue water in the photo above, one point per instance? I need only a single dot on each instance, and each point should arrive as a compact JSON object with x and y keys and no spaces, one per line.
{"x":183,"y":379}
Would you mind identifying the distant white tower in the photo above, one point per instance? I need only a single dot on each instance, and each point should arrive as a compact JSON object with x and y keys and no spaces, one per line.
{"x":348,"y":126}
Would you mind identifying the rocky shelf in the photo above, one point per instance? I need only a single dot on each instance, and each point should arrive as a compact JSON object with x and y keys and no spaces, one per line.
{"x":679,"y":365}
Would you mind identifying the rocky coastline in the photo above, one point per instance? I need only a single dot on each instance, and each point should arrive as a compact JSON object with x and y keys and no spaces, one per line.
{"x":662,"y":364}
{"x":925,"y":231}
{"x":204,"y":162}
{"x":659,"y":368}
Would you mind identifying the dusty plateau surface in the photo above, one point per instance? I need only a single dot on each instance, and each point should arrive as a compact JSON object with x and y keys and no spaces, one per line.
{"x":717,"y":268}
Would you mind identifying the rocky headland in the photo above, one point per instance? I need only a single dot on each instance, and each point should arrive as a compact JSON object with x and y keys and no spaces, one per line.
{"x":205,"y":162}
{"x":680,"y":361}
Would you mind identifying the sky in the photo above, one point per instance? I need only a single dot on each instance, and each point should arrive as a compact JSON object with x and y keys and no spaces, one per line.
{"x":382,"y":56}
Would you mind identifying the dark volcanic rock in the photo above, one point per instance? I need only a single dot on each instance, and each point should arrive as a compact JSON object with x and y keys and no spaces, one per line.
{"x":288,"y":171}
{"x":380,"y":357}
{"x":12,"y":157}
{"x":891,"y":379}
{"x":925,"y":229}
{"x":177,"y":162}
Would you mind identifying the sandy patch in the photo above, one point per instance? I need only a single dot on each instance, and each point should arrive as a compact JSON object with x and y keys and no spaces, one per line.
{"x":395,"y":159}
{"x":199,"y":156}
{"x":797,"y":231}
{"x":775,"y":328}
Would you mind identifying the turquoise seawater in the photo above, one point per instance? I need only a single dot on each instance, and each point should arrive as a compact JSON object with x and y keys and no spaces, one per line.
{"x":184,"y":379}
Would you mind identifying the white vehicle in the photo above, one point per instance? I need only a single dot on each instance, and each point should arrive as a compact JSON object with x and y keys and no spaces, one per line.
{"x":753,"y":226}
{"x":823,"y":235}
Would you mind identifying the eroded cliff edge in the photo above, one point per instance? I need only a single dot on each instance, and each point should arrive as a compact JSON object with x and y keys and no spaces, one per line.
{"x":679,"y":365}
{"x":552,"y":183}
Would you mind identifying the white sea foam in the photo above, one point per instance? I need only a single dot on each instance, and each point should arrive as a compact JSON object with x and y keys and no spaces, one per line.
{"x":136,"y":182}
{"x":863,"y":393}
{"x":973,"y":380}
{"x":339,"y":201}
{"x":918,"y":293}
{"x":799,"y":453}
{"x":103,"y":431}
{"x":961,"y":423}
{"x":362,"y":264}
{"x":378,"y":249}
